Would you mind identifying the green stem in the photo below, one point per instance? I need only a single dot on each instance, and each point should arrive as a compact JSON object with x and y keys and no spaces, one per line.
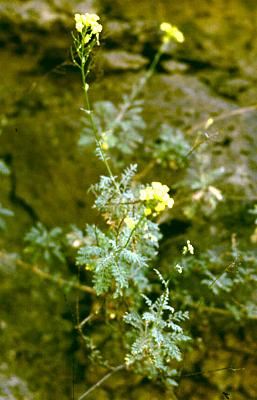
{"x":93,"y":125}
{"x":138,"y":88}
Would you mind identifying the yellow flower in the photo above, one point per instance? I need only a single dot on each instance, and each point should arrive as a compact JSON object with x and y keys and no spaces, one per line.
{"x":156,"y":197}
{"x":96,"y":28}
{"x":160,"y":207}
{"x":170,"y":202}
{"x":171,"y":32}
{"x":130,"y":222}
{"x":209,"y":123}
{"x":88,"y":21}
{"x":160,"y":186}
{"x":147,"y":211}
{"x":87,"y":38}
{"x":79,"y":26}
{"x":146,"y":194}
{"x":105,"y":146}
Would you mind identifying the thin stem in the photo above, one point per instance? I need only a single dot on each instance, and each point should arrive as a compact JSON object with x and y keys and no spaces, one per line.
{"x":145,"y":171}
{"x":232,"y":264}
{"x":85,"y":321}
{"x":93,"y":125}
{"x":216,"y":310}
{"x":211,"y":371}
{"x":221,"y":117}
{"x":138,"y":88}
{"x":101,"y":381}
{"x":225,"y":115}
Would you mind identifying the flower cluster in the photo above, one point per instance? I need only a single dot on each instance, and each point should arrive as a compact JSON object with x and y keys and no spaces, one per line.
{"x":156,"y":197}
{"x":171,"y":32}
{"x":87,"y":23}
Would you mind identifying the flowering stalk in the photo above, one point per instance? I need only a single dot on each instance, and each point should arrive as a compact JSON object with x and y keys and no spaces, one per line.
{"x":88,"y":29}
{"x":170,"y":33}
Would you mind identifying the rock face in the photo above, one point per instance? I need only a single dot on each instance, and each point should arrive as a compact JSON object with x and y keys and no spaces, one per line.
{"x":13,"y":388}
{"x":43,"y":14}
{"x":212,"y":74}
{"x":121,"y":60}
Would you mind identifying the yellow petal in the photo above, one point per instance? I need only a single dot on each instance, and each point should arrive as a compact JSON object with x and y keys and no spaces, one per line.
{"x":147,"y":211}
